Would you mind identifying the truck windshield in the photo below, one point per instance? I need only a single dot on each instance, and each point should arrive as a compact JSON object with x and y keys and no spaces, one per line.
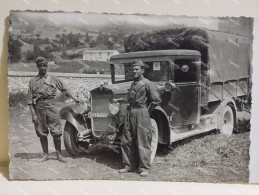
{"x":156,"y":71}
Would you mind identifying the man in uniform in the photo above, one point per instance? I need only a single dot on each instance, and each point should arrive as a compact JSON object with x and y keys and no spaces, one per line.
{"x":41,"y":93}
{"x":137,"y":133}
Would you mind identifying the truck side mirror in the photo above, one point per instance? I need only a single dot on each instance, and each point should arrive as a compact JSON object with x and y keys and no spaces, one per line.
{"x":185,"y":68}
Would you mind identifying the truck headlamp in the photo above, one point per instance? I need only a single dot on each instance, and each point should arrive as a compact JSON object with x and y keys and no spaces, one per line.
{"x":169,"y":86}
{"x":114,"y":107}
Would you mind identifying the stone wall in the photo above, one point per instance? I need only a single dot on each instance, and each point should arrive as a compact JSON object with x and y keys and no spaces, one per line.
{"x":79,"y":84}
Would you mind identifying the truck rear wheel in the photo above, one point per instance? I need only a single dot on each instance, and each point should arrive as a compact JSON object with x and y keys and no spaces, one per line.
{"x":71,"y":143}
{"x":154,"y":141}
{"x":227,"y":121}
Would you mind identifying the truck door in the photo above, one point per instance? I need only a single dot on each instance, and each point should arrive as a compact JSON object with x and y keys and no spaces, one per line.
{"x":183,"y":108}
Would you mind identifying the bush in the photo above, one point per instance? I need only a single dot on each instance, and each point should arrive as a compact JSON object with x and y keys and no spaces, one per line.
{"x":57,"y":59}
{"x":67,"y":66}
{"x":18,"y":98}
{"x":31,"y":56}
{"x":88,"y":70}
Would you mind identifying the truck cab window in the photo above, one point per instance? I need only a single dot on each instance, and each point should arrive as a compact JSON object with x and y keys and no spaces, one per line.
{"x":184,"y":74}
{"x":119,"y":72}
{"x":157,"y":71}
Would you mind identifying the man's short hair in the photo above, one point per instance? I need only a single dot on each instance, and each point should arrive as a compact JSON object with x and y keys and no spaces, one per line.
{"x":41,"y":60}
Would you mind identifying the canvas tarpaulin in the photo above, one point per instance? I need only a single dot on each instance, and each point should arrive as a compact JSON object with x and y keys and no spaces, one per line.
{"x":226,"y":54}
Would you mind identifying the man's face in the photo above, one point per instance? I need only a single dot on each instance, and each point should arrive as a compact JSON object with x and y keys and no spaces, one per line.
{"x":137,"y":71}
{"x":42,"y":66}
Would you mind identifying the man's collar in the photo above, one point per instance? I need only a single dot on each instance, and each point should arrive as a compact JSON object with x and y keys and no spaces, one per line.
{"x":139,"y":79}
{"x":40,"y":77}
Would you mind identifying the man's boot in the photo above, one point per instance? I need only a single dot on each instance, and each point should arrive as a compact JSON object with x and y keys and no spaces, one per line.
{"x":44,"y":145}
{"x":57,"y":143}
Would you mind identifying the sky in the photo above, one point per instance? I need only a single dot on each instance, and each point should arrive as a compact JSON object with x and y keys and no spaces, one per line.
{"x":102,"y":19}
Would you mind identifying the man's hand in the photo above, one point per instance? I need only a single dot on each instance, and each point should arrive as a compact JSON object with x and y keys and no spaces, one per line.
{"x":35,"y":119}
{"x":152,"y":106}
{"x":77,"y":101}
{"x":115,"y":100}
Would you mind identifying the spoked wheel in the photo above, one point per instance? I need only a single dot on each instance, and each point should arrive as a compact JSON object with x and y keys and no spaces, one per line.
{"x":154,"y":141}
{"x":227,"y":121}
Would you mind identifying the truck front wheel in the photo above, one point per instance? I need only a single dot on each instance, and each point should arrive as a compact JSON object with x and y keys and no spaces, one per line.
{"x":154,"y":141}
{"x":72,"y":145}
{"x":227,"y":121}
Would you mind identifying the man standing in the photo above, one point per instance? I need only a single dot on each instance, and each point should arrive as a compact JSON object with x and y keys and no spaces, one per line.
{"x":41,"y":93}
{"x":137,"y":133}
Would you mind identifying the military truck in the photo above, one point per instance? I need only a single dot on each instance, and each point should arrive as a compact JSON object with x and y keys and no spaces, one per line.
{"x":202,"y":83}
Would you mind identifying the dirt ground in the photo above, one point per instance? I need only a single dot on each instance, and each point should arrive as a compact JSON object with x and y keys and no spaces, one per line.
{"x":104,"y":163}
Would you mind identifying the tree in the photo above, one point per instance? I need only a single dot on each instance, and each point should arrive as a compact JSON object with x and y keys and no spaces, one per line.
{"x":63,"y":40}
{"x":73,"y":39}
{"x":64,"y":55}
{"x":59,"y":43}
{"x":32,"y":55}
{"x":87,"y":38}
{"x":14,"y":49}
{"x":92,"y":44}
{"x":110,"y":43}
{"x":38,"y":36}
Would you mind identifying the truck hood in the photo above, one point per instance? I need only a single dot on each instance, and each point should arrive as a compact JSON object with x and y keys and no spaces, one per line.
{"x":119,"y":88}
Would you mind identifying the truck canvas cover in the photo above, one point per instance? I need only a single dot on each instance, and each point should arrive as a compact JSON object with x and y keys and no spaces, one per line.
{"x":227,"y":56}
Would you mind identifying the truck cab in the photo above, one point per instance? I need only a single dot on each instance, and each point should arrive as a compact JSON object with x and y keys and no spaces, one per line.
{"x":177,"y":77}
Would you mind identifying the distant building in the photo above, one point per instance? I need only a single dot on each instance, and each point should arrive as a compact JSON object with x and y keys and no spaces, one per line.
{"x":98,"y":55}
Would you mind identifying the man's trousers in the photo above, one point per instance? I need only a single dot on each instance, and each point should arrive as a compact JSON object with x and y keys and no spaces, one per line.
{"x":136,"y":139}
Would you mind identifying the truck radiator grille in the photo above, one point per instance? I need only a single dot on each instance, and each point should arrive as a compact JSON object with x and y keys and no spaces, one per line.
{"x":103,"y":123}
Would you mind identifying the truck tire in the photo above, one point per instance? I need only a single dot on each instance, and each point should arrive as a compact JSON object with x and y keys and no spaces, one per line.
{"x":154,"y":141}
{"x":227,"y":121}
{"x":70,"y":141}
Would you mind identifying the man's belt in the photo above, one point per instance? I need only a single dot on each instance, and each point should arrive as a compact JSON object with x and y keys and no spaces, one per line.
{"x":35,"y":100}
{"x":137,"y":106}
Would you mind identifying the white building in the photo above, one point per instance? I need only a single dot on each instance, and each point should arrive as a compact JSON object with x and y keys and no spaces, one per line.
{"x":99,"y":55}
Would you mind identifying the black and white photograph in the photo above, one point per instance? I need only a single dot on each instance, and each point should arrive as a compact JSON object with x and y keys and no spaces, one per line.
{"x":129,"y":97}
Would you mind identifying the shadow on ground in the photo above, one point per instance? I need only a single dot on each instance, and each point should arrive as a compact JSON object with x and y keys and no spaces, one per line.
{"x":28,"y":156}
{"x":106,"y":156}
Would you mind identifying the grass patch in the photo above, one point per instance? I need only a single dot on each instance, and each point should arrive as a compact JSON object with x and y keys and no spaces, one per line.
{"x":215,"y":154}
{"x":212,"y":150}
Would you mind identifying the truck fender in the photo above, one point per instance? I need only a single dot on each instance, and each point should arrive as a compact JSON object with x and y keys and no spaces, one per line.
{"x":218,"y":111}
{"x":160,"y":117}
{"x":70,"y":114}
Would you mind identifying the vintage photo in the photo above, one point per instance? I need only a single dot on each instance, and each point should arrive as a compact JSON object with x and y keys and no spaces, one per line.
{"x":129,"y":97}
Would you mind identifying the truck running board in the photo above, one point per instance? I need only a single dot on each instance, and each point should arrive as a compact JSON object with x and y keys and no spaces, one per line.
{"x":207,"y":123}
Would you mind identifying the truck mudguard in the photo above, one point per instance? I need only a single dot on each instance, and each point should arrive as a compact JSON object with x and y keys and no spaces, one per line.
{"x":163,"y":125}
